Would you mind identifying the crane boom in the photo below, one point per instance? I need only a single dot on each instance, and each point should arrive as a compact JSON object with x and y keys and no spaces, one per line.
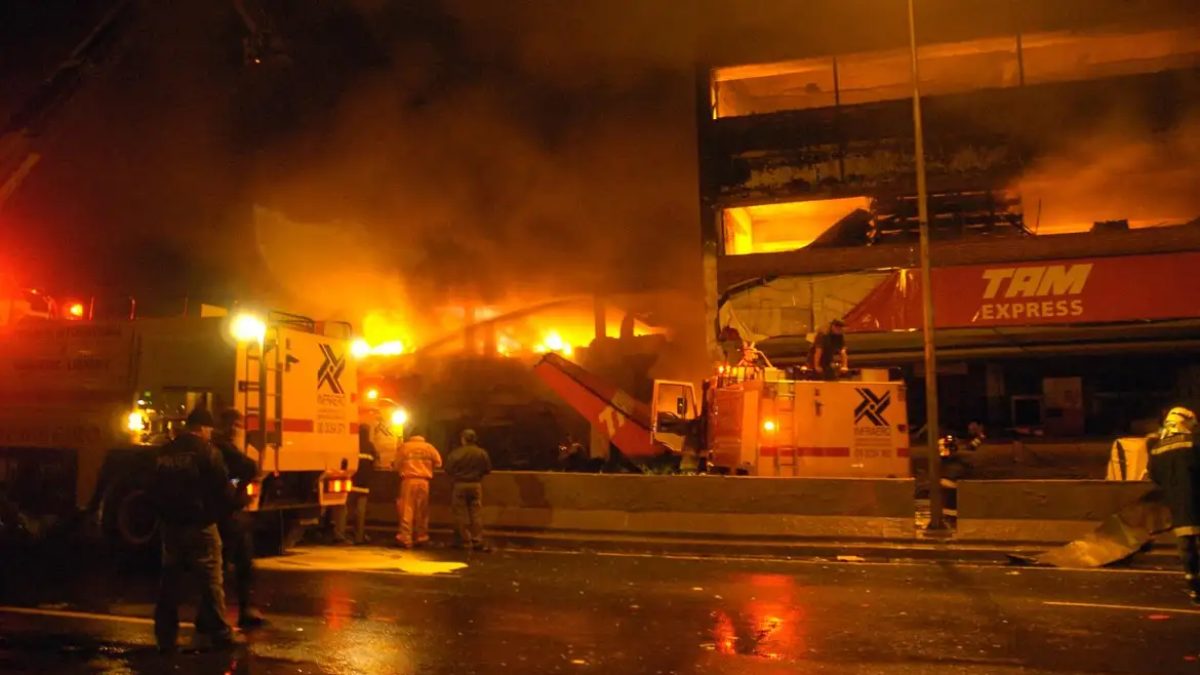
{"x":622,"y":418}
{"x":17,"y":154}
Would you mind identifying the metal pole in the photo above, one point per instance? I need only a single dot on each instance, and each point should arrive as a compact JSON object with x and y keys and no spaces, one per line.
{"x":931,"y":392}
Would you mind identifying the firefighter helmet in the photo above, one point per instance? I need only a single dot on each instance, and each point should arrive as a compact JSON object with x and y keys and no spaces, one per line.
{"x":1179,"y":420}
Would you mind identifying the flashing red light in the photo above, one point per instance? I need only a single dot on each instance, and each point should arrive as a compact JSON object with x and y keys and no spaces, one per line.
{"x":75,"y":310}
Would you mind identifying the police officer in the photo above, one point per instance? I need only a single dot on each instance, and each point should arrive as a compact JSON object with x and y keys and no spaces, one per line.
{"x":1175,"y":467}
{"x":467,"y":465}
{"x":237,"y":526}
{"x":190,"y":494}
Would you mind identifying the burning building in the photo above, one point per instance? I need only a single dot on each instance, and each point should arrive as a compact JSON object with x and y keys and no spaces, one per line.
{"x":1060,"y":143}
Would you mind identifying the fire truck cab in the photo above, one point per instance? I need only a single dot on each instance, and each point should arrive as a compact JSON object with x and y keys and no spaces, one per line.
{"x":83,"y":404}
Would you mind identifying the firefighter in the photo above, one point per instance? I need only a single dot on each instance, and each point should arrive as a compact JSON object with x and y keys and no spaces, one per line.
{"x":189,"y":494}
{"x":828,"y":349}
{"x":384,"y":434}
{"x":467,"y":465}
{"x":416,"y":460}
{"x":957,"y":464}
{"x":360,"y":492}
{"x":1175,"y":467}
{"x":237,"y":526}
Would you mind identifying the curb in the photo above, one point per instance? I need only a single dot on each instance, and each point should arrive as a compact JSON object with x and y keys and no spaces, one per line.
{"x":883,"y":550}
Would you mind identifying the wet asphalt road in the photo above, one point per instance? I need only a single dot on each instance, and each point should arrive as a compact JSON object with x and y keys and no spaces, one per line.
{"x":383,"y":611}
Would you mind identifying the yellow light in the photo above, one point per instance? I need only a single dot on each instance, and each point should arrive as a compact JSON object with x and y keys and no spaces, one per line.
{"x":135,"y":422}
{"x":769,"y":426}
{"x":554,"y":342}
{"x":248,"y":328}
{"x":372,"y":394}
{"x":76,"y":310}
{"x":399,"y":417}
{"x":360,"y":348}
{"x":392,"y":348}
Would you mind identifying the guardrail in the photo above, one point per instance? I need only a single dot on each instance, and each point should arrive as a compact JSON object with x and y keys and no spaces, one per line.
{"x":677,"y":505}
{"x":1040,"y":510}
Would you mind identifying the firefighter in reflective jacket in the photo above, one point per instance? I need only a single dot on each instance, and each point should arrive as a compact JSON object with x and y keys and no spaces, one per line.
{"x":416,"y":460}
{"x":1175,"y":467}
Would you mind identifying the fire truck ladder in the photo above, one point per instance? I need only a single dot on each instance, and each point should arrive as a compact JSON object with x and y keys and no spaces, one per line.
{"x":263,"y":394}
{"x":786,"y":455}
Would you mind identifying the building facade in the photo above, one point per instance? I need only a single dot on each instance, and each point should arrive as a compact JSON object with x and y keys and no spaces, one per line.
{"x":1059,"y":148}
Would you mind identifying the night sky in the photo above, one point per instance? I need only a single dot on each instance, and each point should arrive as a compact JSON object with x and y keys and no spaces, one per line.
{"x":398,"y":152}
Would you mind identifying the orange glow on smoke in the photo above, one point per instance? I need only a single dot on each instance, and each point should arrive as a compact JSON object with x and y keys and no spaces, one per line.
{"x":505,"y":329}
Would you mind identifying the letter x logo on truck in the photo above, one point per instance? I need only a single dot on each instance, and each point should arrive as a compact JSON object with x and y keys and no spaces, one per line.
{"x":872,"y":407}
{"x":330,"y":372}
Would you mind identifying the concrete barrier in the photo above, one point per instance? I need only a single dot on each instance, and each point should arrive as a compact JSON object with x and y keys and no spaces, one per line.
{"x":677,"y":505}
{"x":1039,"y":510}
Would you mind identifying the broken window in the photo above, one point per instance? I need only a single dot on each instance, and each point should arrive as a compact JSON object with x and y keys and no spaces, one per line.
{"x":770,"y":228}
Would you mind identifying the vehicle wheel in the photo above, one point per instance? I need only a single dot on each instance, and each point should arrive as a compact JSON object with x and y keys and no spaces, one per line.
{"x":128,"y":518}
{"x":136,"y":523}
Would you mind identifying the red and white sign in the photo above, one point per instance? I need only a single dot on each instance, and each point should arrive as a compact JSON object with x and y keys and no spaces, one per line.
{"x":1088,"y":290}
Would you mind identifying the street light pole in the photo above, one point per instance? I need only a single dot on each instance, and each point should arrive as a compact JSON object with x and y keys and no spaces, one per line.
{"x":932,"y":431}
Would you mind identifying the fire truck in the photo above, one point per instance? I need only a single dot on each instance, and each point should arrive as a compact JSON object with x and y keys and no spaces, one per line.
{"x":83,"y":404}
{"x":750,"y":420}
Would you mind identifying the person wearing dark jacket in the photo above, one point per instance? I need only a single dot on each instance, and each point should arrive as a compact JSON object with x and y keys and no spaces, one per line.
{"x":1175,"y":467}
{"x":237,"y":526}
{"x":467,"y":465}
{"x":360,"y":491}
{"x":190,"y":495}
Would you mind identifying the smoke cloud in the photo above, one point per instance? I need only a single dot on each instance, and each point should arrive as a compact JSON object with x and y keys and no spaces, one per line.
{"x":1122,"y":170}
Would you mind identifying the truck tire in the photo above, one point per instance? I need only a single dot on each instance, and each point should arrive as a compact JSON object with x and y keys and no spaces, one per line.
{"x":128,"y":518}
{"x":136,"y":523}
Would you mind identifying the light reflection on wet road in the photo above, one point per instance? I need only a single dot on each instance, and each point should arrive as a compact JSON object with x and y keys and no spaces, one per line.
{"x":383,"y":611}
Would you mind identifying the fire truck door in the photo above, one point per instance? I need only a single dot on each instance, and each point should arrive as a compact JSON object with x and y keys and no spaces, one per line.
{"x":675,"y":407}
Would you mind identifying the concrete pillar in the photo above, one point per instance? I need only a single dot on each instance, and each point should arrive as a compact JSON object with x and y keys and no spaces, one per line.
{"x":470,"y":342}
{"x":710,"y":217}
{"x":600,"y":316}
{"x":627,"y":325}
{"x":488,"y":329}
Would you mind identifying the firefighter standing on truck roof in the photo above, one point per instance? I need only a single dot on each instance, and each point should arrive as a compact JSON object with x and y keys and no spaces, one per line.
{"x":189,"y":494}
{"x":828,"y":348}
{"x":237,"y":526}
{"x":416,"y":460}
{"x":1175,"y":467}
{"x":467,"y":465}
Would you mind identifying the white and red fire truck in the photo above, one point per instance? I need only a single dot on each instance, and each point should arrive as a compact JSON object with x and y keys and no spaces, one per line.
{"x":751,"y":420}
{"x":83,"y":402}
